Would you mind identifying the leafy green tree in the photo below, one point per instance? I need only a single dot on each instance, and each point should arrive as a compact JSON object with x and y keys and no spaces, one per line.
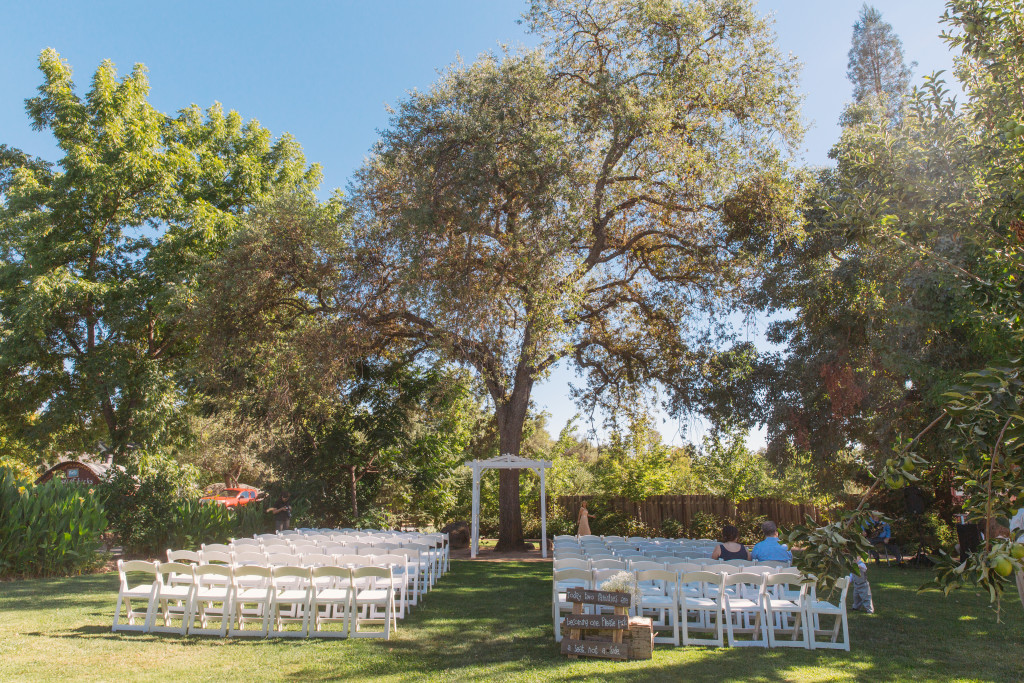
{"x":99,"y":252}
{"x":945,"y":186}
{"x":636,"y":464}
{"x":726,"y":467}
{"x":595,"y":201}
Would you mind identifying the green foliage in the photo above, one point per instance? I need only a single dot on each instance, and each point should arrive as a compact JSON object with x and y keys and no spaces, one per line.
{"x":99,"y":253}
{"x":706,"y":525}
{"x":672,"y":528}
{"x":927,"y":532}
{"x":53,"y":529}
{"x":634,"y":465}
{"x":830,"y":552}
{"x":143,"y":503}
{"x":193,"y":523}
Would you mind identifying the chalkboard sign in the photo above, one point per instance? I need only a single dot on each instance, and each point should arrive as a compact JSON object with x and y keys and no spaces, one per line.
{"x":618,"y":621}
{"x":595,"y":648}
{"x":597,"y":597}
{"x":574,"y":646}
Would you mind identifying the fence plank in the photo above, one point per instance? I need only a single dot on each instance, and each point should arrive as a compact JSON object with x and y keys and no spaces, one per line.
{"x":656,"y":509}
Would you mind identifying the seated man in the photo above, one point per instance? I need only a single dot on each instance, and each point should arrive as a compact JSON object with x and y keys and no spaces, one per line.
{"x":880,"y":535}
{"x":770,"y":548}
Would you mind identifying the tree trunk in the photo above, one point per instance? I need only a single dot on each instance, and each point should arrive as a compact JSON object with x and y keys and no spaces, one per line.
{"x":355,"y":504}
{"x":511,"y":416}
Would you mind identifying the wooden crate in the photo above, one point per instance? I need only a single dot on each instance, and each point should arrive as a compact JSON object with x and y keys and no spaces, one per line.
{"x":639,"y":638}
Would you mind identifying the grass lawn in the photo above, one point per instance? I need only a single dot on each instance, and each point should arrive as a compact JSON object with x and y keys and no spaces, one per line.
{"x":490,"y":621}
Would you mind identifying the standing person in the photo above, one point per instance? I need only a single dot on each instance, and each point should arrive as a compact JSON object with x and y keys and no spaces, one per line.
{"x":584,"y":520}
{"x":770,"y":548}
{"x":730,"y":548}
{"x":282,"y":512}
{"x":862,"y":589}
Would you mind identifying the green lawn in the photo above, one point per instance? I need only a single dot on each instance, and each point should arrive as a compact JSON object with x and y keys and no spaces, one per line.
{"x":489,"y":621}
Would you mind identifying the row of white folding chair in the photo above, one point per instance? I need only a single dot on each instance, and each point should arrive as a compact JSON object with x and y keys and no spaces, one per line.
{"x":434,"y":560}
{"x":759,"y":604}
{"x":407,"y":564}
{"x":273,"y":597}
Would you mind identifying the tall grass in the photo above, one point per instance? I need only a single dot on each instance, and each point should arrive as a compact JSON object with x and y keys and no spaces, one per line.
{"x":53,"y":529}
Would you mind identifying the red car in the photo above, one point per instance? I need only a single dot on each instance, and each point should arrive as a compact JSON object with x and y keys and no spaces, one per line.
{"x":232,"y":497}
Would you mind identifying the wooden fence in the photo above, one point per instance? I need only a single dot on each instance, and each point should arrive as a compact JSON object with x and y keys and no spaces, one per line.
{"x":682,"y":508}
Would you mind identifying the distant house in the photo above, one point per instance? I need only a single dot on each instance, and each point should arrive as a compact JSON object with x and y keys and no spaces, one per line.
{"x":82,"y":468}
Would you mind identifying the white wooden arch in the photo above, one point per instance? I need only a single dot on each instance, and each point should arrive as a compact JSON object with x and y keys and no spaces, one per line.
{"x":508,"y":461}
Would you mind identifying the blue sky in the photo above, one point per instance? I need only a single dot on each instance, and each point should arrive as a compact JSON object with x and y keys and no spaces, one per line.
{"x":324,"y":71}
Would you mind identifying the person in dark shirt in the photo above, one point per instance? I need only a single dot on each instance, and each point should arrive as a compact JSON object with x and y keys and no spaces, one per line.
{"x":730,"y":548}
{"x":282,"y":512}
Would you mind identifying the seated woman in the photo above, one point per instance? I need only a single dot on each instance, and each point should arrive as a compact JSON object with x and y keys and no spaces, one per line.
{"x":730,"y":548}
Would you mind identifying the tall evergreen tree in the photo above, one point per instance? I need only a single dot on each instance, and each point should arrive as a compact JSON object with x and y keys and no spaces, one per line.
{"x":877,"y":67}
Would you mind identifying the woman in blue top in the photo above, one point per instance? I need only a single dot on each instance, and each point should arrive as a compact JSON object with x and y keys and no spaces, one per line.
{"x":730,"y":548}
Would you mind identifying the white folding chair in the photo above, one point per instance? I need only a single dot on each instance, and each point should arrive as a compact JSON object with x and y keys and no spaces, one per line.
{"x":250,"y":600}
{"x":561,"y":580}
{"x":373,"y":601}
{"x":211,"y":599}
{"x":783,"y":604}
{"x":708,"y":608}
{"x":173,"y":597}
{"x":743,"y":605}
{"x":817,"y":608}
{"x":138,"y":581}
{"x":663,"y":606}
{"x":570,"y":563}
{"x":401,"y":575}
{"x":289,"y":600}
{"x":331,"y":602}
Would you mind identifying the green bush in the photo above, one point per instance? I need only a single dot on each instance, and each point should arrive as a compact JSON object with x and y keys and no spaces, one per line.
{"x":141,"y":502}
{"x":53,"y":529}
{"x":926,"y":531}
{"x":750,"y":528}
{"x":672,"y":528}
{"x":636,"y":527}
{"x":706,"y":525}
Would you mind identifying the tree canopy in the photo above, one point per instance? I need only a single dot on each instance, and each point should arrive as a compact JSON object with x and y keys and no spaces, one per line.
{"x":99,"y":251}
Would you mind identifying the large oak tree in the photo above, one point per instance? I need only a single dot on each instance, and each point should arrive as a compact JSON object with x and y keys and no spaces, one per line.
{"x":594,"y":200}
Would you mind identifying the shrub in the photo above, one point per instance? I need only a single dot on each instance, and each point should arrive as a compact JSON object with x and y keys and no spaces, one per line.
{"x":706,"y":525}
{"x":750,"y":528}
{"x":141,"y":504}
{"x":637,"y":527}
{"x":560,"y":524}
{"x":194,"y":523}
{"x":926,"y":531}
{"x":672,"y":528}
{"x":53,"y":529}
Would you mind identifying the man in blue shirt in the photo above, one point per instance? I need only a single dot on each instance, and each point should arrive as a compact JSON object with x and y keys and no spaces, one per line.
{"x":770,"y":548}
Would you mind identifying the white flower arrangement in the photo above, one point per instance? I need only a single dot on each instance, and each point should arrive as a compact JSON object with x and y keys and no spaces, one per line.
{"x":623,"y":582}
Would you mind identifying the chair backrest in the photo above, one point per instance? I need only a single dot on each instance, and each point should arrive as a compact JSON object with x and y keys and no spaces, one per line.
{"x":371,"y":572}
{"x":215,"y":547}
{"x":291,"y":576}
{"x":351,"y":560}
{"x":183,"y":556}
{"x":250,"y":559}
{"x":602,"y":575}
{"x":645,"y":565}
{"x":705,"y":579}
{"x":145,"y":572}
{"x":722,"y":567}
{"x":214,"y":557}
{"x":391,"y":559}
{"x":581,"y":576}
{"x":240,"y":542}
{"x":341,"y":575}
{"x":668,"y":581}
{"x":318,"y":560}
{"x":173,"y":569}
{"x":773,"y":563}
{"x":307,"y":549}
{"x":206,"y":574}
{"x":738,"y":563}
{"x":620,"y":565}
{"x":786,"y":579}
{"x":253,"y":571}
{"x":683,"y":567}
{"x":333,"y":548}
{"x":751,"y":579}
{"x":283,"y":560}
{"x":571,"y":563}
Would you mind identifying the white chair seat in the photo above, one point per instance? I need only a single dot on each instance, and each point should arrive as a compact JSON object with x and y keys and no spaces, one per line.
{"x":332,"y":594}
{"x":743,"y":604}
{"x":823,"y":607}
{"x":291,"y":594}
{"x":657,"y":601}
{"x":373,"y":595}
{"x":702,"y":603}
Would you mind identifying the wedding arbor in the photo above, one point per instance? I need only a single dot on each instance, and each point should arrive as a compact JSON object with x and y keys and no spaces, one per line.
{"x":508,"y":461}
